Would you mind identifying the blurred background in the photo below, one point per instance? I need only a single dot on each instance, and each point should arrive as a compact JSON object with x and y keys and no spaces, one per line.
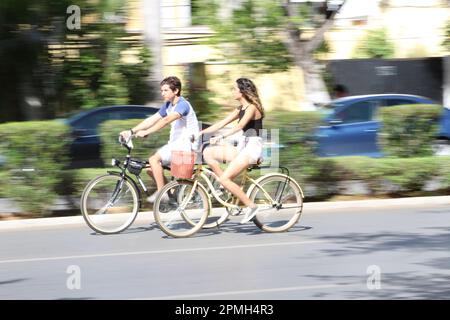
{"x":61,"y":63}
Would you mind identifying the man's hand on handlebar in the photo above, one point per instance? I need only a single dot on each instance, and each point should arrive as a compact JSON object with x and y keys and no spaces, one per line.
{"x":141,"y":134}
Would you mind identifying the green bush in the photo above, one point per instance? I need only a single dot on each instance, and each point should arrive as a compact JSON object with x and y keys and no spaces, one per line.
{"x":295,"y":132}
{"x":143,"y":148}
{"x":409,"y":130}
{"x":81,"y":177}
{"x":38,"y":145}
{"x":408,"y":175}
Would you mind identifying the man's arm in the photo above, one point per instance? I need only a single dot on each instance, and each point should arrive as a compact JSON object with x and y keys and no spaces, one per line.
{"x":161,"y":123}
{"x":147,"y":123}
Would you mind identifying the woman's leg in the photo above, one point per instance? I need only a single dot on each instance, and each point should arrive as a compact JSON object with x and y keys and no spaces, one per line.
{"x":241,"y":162}
{"x":214,"y":155}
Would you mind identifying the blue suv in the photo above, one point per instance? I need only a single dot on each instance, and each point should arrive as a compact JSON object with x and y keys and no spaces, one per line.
{"x":352,"y":123}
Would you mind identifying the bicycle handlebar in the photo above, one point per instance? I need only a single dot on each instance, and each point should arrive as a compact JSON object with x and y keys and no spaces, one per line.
{"x":127,"y":142}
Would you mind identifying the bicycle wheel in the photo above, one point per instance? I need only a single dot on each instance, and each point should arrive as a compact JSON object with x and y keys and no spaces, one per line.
{"x":281,"y":207}
{"x":109,"y":204}
{"x":218,"y":214}
{"x":180,"y":210}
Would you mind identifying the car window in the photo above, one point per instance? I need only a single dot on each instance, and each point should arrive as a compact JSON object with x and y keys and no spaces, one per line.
{"x":397,"y":102}
{"x":357,"y":112}
{"x":135,"y":114}
{"x":91,"y":121}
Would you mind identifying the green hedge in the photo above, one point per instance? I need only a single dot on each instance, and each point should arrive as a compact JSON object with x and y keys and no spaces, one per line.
{"x":409,"y":130}
{"x":39,"y":145}
{"x":143,"y":148}
{"x":295,"y":132}
{"x":408,"y":175}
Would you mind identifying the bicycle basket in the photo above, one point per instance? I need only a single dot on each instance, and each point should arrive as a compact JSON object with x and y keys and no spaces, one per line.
{"x":182,"y":164}
{"x":135,"y":166}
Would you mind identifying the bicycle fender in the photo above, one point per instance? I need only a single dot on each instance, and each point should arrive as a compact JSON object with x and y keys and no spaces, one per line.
{"x":253,"y":186}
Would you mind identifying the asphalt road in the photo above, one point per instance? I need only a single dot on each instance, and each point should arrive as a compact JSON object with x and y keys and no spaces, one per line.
{"x":400,"y":252}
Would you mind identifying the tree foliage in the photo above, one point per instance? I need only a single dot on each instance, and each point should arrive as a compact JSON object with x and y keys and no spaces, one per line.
{"x":272,"y":35}
{"x":446,"y":42}
{"x":64,"y":69}
{"x":374,"y":44}
{"x":251,"y":32}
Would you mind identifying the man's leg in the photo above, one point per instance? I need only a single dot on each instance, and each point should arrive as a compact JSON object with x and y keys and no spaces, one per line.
{"x":157,"y":172}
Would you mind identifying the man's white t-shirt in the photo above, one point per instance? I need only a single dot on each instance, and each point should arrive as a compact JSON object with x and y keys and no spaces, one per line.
{"x":181,"y":129}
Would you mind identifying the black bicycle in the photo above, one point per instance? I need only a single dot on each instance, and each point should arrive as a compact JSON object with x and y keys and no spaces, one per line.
{"x":111,"y":202}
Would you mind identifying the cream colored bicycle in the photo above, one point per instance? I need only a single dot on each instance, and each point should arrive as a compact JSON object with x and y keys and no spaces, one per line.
{"x":190,"y":205}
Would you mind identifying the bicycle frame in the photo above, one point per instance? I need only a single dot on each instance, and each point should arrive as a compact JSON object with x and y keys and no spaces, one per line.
{"x":201,"y":173}
{"x":123,"y":174}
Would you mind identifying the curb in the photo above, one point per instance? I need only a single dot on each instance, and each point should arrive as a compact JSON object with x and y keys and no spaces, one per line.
{"x":309,"y":207}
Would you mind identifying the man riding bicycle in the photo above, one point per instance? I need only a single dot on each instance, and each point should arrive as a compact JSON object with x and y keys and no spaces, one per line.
{"x":177,"y":112}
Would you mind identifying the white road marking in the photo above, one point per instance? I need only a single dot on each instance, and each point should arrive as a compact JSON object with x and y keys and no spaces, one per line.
{"x":118,"y":254}
{"x":239,"y":292}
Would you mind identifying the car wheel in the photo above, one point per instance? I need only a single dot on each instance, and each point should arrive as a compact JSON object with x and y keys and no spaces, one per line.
{"x":441,"y":147}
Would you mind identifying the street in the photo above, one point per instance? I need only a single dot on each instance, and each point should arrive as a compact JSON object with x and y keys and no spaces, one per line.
{"x":397,"y":252}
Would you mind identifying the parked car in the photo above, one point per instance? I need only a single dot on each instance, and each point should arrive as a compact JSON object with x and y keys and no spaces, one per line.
{"x":352,"y":124}
{"x":85,"y":148}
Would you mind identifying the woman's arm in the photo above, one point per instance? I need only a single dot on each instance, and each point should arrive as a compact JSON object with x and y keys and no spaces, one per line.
{"x":219,"y":125}
{"x":249,"y":115}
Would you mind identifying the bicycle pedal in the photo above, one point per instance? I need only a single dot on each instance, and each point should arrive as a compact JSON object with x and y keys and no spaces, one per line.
{"x":236,"y":213}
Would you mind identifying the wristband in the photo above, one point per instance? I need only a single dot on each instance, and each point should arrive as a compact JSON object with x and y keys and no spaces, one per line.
{"x":132,"y":132}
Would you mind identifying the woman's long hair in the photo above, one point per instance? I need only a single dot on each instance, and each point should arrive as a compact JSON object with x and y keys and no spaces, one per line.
{"x":250,"y":93}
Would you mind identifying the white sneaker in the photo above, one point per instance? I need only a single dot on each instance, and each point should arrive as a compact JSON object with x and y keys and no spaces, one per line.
{"x":152,"y":198}
{"x":249,"y":214}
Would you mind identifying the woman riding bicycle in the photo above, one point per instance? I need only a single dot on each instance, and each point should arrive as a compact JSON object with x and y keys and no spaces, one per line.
{"x":249,"y":148}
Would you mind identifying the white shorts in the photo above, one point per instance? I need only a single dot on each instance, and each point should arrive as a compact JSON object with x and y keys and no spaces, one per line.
{"x":165,"y":152}
{"x":252,"y":147}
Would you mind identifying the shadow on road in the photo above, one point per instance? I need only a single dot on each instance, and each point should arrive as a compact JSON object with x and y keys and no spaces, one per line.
{"x":12,"y":281}
{"x":364,"y":243}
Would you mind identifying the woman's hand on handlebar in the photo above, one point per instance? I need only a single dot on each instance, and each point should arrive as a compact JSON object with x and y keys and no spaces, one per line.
{"x":194,"y":137}
{"x":215,"y":140}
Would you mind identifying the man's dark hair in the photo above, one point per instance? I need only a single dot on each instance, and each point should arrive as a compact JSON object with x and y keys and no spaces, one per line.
{"x":173,"y":82}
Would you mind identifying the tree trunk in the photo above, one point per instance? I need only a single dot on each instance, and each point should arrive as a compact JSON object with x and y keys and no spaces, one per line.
{"x":315,"y":90}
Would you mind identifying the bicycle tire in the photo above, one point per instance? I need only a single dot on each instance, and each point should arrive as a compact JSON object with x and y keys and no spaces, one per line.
{"x":119,"y":211}
{"x":216,"y":221}
{"x":270,"y":218}
{"x":176,"y":221}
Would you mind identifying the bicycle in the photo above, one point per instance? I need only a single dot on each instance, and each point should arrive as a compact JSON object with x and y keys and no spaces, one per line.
{"x":279,"y":196}
{"x":110,"y":203}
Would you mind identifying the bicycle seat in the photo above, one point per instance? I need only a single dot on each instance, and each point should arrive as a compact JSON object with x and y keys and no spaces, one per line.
{"x":256,"y":165}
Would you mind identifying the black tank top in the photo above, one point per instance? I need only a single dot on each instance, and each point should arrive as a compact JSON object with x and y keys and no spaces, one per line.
{"x":253,"y":127}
